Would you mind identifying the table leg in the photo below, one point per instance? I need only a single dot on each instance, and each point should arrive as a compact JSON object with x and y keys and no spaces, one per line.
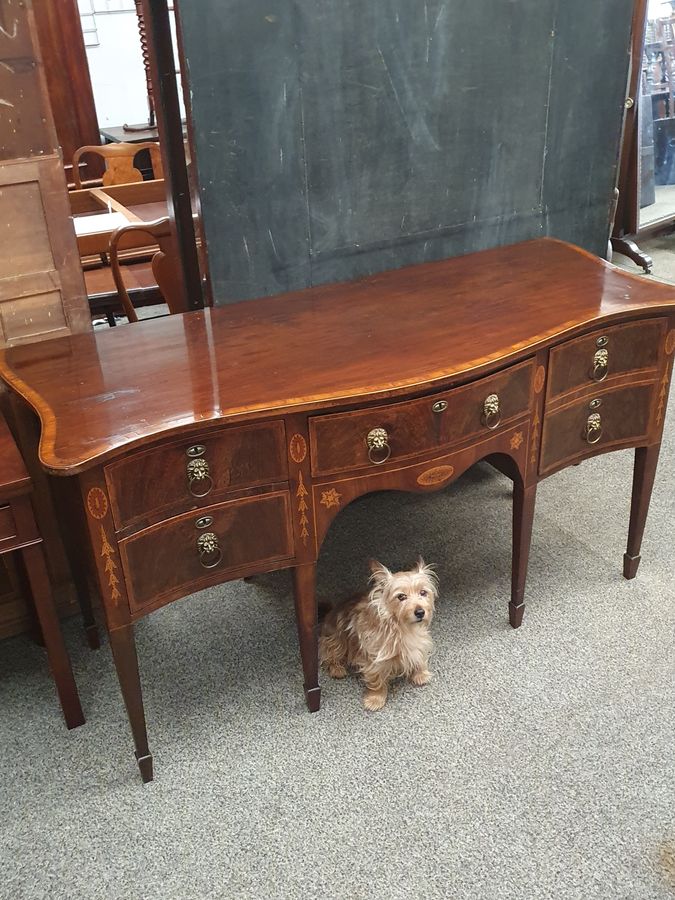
{"x":59,"y":663}
{"x":523,"y":517}
{"x":126,"y":662}
{"x":644,"y":470}
{"x":304,"y":577}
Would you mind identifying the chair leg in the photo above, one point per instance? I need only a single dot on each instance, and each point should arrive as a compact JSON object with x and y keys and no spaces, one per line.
{"x":36,"y":572}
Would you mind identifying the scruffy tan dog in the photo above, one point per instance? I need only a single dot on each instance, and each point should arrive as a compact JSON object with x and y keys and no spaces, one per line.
{"x":383,"y":634}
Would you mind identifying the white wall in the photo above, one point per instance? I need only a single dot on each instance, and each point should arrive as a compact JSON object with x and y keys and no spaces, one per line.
{"x":115,"y":61}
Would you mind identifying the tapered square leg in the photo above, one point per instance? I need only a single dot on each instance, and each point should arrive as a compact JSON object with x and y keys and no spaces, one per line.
{"x":126,"y":662}
{"x":644,"y":472}
{"x":59,"y":662}
{"x":304,"y":577}
{"x":523,"y":517}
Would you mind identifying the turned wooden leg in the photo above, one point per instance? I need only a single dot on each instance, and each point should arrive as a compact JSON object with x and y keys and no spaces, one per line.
{"x":126,"y":662}
{"x":644,"y":470}
{"x":59,"y":663}
{"x":523,"y":516}
{"x":304,"y":577}
{"x":629,"y":248}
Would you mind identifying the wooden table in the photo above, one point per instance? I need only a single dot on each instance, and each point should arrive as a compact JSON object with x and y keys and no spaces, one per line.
{"x":143,"y":201}
{"x":19,"y":533}
{"x":218,"y":444}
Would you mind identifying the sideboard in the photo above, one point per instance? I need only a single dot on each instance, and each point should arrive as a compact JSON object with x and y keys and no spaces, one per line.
{"x":214,"y":445}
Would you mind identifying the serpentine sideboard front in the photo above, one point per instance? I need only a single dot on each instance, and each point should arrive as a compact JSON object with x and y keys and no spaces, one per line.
{"x":218,"y":444}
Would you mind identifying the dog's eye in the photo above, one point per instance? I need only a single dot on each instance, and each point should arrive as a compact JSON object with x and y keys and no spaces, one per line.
{"x":400,"y":596}
{"x":423,"y":593}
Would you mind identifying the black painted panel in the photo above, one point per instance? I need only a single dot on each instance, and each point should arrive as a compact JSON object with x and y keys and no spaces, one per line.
{"x":335,"y":138}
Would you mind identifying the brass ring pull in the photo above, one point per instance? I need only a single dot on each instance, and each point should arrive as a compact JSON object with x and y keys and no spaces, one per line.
{"x":492,"y":415}
{"x":377,"y":440}
{"x":199,"y":476}
{"x":600,"y":365}
{"x":593,"y":431}
{"x":209,"y":550}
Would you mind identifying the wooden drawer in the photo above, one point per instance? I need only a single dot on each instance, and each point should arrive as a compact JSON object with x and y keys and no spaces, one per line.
{"x":632,"y":348}
{"x":164,"y":562}
{"x":624,"y":413}
{"x":155,"y":482}
{"x":7,"y":523}
{"x":339,"y":441}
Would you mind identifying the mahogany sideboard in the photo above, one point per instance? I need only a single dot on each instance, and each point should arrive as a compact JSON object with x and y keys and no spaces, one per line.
{"x":214,"y":445}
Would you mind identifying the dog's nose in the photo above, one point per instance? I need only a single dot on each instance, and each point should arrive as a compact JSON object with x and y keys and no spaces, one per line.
{"x":419,"y":613}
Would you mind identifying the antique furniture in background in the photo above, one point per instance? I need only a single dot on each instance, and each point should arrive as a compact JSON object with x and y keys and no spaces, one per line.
{"x":42,"y":292}
{"x":214,"y":445}
{"x":119,"y":162}
{"x":71,"y":97}
{"x":647,"y":172}
{"x":91,"y":208}
{"x":165,"y":264}
{"x":19,"y":534}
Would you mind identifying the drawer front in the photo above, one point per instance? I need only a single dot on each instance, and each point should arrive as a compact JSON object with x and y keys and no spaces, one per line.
{"x":340,"y":442}
{"x":184,"y":554}
{"x":586,"y":427}
{"x":7,"y":523}
{"x":601,"y":356}
{"x":174,"y":476}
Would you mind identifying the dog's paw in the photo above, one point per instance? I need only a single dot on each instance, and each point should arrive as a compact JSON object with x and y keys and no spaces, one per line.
{"x":421,"y":678}
{"x":335,"y":670}
{"x":374,"y":700}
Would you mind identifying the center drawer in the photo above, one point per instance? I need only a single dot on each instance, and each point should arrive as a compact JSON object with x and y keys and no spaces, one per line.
{"x":382,"y":434}
{"x":194,"y":472}
{"x":203,"y":547}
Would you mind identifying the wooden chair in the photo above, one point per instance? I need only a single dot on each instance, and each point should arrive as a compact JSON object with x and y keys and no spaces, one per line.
{"x":165,"y":265}
{"x":119,"y":162}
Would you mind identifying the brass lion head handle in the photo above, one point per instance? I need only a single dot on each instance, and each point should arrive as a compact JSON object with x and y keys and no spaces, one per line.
{"x":593,"y":431}
{"x":600,"y":364}
{"x":492,"y":415}
{"x":377,"y":441}
{"x":209,"y":550}
{"x":199,"y":478}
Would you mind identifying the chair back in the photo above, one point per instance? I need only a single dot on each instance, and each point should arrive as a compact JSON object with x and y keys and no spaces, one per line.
{"x":165,"y":265}
{"x":119,"y":162}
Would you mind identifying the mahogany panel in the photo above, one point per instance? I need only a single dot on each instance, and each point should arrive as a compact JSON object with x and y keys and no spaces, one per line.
{"x":71,"y":97}
{"x":7,"y":523}
{"x":426,"y":327}
{"x":156,"y":481}
{"x":339,"y":442}
{"x":625,"y":415}
{"x":635,"y":347}
{"x":163,"y":562}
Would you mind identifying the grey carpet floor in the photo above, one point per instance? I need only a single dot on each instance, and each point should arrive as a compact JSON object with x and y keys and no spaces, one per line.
{"x":537,"y":764}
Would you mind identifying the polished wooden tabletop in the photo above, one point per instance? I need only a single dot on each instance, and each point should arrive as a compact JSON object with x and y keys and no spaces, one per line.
{"x":429,"y":325}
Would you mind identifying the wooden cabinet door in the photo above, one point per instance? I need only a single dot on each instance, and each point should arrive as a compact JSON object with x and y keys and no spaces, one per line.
{"x":42,"y":292}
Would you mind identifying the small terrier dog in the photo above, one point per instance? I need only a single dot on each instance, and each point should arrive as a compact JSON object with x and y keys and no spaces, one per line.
{"x":383,"y":634}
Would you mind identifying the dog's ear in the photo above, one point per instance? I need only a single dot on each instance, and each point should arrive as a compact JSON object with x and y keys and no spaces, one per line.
{"x":379,"y":574}
{"x":427,"y":571}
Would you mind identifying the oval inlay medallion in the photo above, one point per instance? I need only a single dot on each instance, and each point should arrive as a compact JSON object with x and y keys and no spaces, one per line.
{"x":298,"y":448}
{"x":435,"y":475}
{"x":97,"y":503}
{"x":670,"y":341}
{"x":539,"y":379}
